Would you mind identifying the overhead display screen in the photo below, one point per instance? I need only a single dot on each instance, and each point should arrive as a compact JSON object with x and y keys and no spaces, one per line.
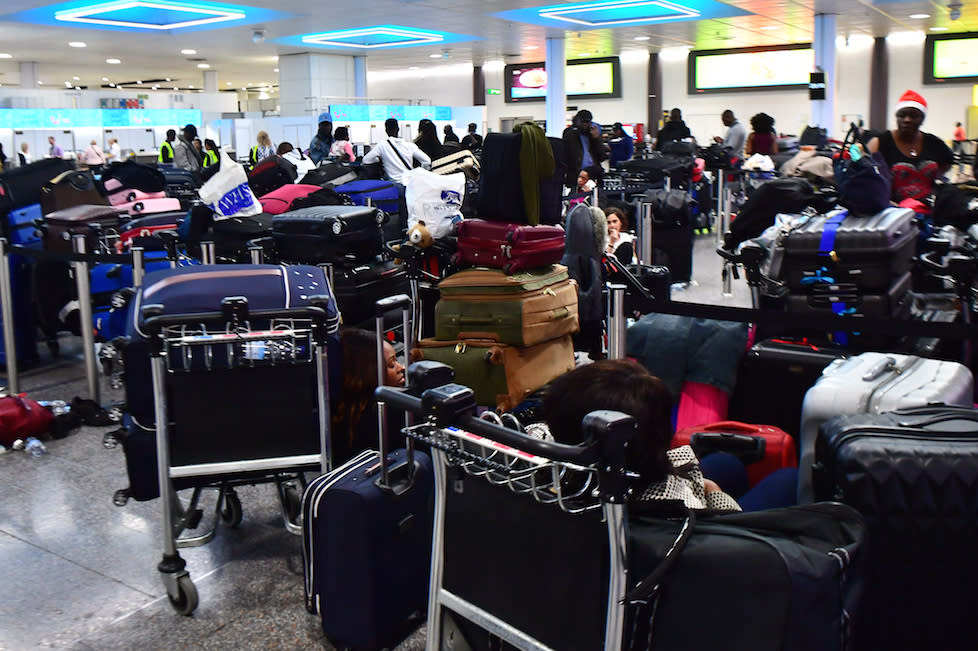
{"x":584,"y":78}
{"x":951,"y":58}
{"x":761,"y":68}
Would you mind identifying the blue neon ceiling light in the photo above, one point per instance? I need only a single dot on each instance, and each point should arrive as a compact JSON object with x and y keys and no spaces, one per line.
{"x":614,"y":13}
{"x":145,"y":15}
{"x":375,"y":37}
{"x":148,"y":15}
{"x":624,"y":12}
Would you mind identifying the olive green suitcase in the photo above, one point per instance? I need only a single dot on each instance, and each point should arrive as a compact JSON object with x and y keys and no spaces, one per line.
{"x":522,"y":309}
{"x":501,"y":376}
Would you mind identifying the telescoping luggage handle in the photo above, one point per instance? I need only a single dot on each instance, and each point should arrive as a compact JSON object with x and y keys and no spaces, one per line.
{"x":383,"y":306}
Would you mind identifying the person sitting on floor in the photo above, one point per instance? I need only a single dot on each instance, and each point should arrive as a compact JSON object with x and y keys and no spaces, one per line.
{"x":658,"y":472}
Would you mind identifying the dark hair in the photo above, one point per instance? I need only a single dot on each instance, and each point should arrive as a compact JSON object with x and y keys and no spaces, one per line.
{"x":616,"y":125}
{"x":472,"y":127}
{"x":359,"y":362}
{"x":171,"y":133}
{"x":762,"y":123}
{"x":190,"y":132}
{"x":391,"y":126}
{"x":620,"y":385}
{"x":622,"y":217}
{"x":210,"y":144}
{"x":341,"y":133}
{"x":675,"y":114}
{"x":727,"y":113}
{"x":448,"y":129}
{"x":284,"y":148}
{"x":583,"y":114}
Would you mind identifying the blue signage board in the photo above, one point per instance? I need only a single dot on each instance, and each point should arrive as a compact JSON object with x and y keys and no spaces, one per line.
{"x":380,"y":112}
{"x":101,"y":118}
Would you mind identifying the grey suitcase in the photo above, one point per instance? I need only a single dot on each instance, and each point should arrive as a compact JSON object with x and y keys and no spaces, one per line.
{"x":867,"y":251}
{"x":873,"y":383}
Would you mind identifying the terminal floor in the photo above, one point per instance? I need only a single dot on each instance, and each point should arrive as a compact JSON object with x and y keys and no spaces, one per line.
{"x":80,"y":573}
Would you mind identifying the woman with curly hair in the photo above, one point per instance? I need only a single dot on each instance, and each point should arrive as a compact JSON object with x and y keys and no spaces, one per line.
{"x":763,"y":139}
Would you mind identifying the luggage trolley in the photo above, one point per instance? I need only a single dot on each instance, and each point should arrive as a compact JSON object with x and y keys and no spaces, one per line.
{"x":530,"y":536}
{"x":277,"y":416}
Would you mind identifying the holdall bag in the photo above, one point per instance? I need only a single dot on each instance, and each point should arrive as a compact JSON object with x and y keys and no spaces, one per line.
{"x":956,"y":205}
{"x":332,"y":173}
{"x":500,"y":186}
{"x":762,"y":448}
{"x":670,"y":208}
{"x":227,"y":193}
{"x":864,"y":183}
{"x":271,"y":174}
{"x":788,"y":195}
{"x":434,"y":199}
{"x":520,"y":310}
{"x":913,"y":474}
{"x":347,"y":234}
{"x":510,"y":247}
{"x":874,"y":383}
{"x":787,"y":579}
{"x":231,"y":236}
{"x":463,"y":161}
{"x":501,"y":376}
{"x":21,"y":186}
{"x":133,"y":175}
{"x":21,"y":417}
{"x":278,"y":201}
{"x":68,"y":189}
{"x":678,"y":169}
{"x":59,"y":226}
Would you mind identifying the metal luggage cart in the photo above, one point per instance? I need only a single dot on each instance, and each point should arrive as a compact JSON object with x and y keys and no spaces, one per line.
{"x":530,"y":536}
{"x":273,"y":421}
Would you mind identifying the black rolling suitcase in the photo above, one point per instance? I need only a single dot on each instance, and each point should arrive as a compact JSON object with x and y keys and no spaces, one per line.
{"x":792,"y":366}
{"x":231,"y":235}
{"x":366,"y":541}
{"x":347,"y":234}
{"x":359,"y":288}
{"x":673,"y":248}
{"x":181,"y":184}
{"x":913,"y":474}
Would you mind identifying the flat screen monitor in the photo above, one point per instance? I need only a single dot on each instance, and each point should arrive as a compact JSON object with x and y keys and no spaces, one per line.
{"x":584,"y":79}
{"x":775,"y":67}
{"x":951,"y":58}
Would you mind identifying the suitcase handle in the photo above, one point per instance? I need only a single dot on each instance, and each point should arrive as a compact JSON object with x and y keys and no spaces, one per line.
{"x":878,"y":369}
{"x":730,"y":426}
{"x":965,"y":415}
{"x":382,"y":307}
{"x":749,"y":449}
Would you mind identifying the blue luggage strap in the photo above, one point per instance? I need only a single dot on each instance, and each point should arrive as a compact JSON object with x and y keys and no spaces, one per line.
{"x":826,"y":245}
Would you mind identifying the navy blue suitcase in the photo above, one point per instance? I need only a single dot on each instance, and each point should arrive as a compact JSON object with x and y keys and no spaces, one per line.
{"x":386,"y":195}
{"x":19,"y":230}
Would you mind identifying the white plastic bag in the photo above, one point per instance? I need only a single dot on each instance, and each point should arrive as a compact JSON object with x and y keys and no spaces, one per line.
{"x":434,"y":199}
{"x":227,"y":193}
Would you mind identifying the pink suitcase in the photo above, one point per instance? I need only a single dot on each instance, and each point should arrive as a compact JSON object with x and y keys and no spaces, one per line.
{"x":150,"y":206}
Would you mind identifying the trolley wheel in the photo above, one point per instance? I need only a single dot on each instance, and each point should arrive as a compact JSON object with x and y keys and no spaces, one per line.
{"x":186,"y":600}
{"x":231,"y":510}
{"x":293,"y":502}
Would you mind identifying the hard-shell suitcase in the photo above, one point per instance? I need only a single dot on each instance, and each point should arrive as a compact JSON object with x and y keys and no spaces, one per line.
{"x":913,"y":474}
{"x":69,"y":189}
{"x":794,"y":576}
{"x":867,"y":251}
{"x":846,"y":298}
{"x":460,"y":161}
{"x":347,"y":234}
{"x":510,"y":247}
{"x":520,"y":310}
{"x":280,"y":200}
{"x":333,"y":173}
{"x":873,"y":383}
{"x":90,"y":220}
{"x":271,"y":174}
{"x":386,"y":195}
{"x":128,"y":195}
{"x":143,"y":231}
{"x":181,"y":184}
{"x":21,"y":186}
{"x":762,"y":448}
{"x":501,"y":376}
{"x":231,"y":235}
{"x":359,"y":288}
{"x":151,"y":206}
{"x":19,"y":228}
{"x":791,"y":365}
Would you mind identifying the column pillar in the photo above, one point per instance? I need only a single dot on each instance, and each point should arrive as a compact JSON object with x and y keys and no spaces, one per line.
{"x":29,"y":74}
{"x":210,"y":81}
{"x":655,"y":95}
{"x":823,"y":111}
{"x":556,"y":87}
{"x":308,"y":83}
{"x":360,"y":77}
{"x":879,"y":85}
{"x":478,"y":86}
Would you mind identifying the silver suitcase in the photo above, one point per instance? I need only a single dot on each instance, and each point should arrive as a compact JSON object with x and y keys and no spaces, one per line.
{"x":873,"y":383}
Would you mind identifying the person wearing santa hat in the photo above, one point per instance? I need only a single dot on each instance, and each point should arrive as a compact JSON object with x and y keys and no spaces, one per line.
{"x":914,"y":157}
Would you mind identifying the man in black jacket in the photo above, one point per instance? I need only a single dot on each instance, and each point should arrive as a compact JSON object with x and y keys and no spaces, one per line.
{"x":585,"y":151}
{"x":673,"y":130}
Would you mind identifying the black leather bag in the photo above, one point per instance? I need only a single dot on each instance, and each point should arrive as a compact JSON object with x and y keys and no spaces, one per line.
{"x":670,"y":208}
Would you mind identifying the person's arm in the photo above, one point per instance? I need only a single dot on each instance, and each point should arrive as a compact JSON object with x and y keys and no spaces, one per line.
{"x":716,"y":499}
{"x":371,"y":156}
{"x":873,"y":145}
{"x":749,"y":145}
{"x":348,"y":148}
{"x":421,"y":157}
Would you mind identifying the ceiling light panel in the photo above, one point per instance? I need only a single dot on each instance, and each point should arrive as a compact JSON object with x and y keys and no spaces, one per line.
{"x":146,"y":15}
{"x":376,"y":37}
{"x":622,"y":13}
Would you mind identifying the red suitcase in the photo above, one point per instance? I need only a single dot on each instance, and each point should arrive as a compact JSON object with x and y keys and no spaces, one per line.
{"x":280,"y":200}
{"x":762,"y":448}
{"x":147,"y":226}
{"x":510,"y":247}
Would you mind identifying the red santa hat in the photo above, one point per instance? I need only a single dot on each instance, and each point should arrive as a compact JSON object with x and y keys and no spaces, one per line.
{"x":912,"y":99}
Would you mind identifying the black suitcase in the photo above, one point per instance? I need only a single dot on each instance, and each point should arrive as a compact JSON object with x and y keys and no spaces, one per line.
{"x":332,"y":173}
{"x":359,"y":288}
{"x":135,"y":176}
{"x":181,"y":184}
{"x":21,"y":186}
{"x":678,"y":169}
{"x":793,"y":367}
{"x":552,"y":189}
{"x":342,"y":234}
{"x":231,"y":235}
{"x":673,"y":248}
{"x":913,"y":474}
{"x":867,"y":251}
{"x":847,"y":298}
{"x":271,"y":174}
{"x":500,"y":185}
{"x":646,"y":286}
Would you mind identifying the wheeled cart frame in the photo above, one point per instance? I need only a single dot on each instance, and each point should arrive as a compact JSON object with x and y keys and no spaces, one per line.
{"x":204,"y":430}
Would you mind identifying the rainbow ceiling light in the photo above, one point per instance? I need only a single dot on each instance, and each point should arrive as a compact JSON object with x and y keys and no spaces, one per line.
{"x":145,"y":15}
{"x":624,"y":12}
{"x":375,"y":37}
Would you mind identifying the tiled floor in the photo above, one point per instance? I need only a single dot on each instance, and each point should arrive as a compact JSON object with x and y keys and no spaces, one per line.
{"x":80,"y":573}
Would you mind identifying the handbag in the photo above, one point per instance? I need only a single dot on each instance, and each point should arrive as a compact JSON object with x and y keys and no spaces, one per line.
{"x":227,"y":193}
{"x":864,"y":184}
{"x":670,"y":208}
{"x":22,"y":417}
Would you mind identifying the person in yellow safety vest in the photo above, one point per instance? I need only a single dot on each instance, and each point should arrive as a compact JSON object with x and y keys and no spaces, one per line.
{"x":166,"y":149}
{"x":210,"y":152}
